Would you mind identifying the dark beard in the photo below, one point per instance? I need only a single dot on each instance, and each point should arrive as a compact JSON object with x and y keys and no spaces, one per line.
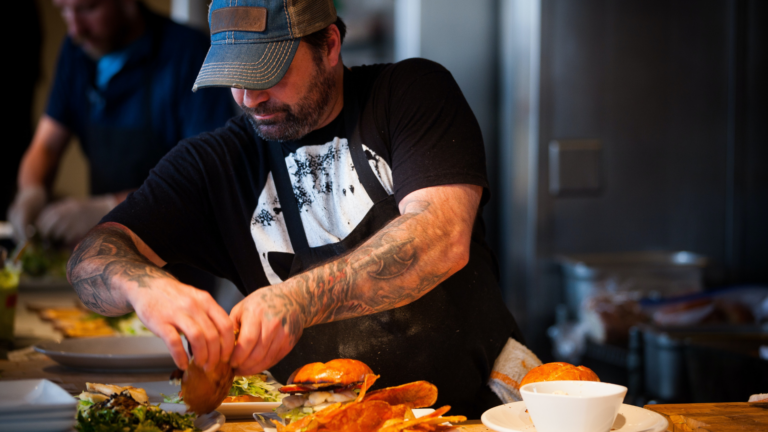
{"x":299,"y":120}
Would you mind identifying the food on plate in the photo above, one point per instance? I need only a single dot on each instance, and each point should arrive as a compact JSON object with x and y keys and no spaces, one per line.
{"x":204,"y":392}
{"x":385,"y":410}
{"x":252,"y":388}
{"x":316,"y":386}
{"x":140,"y":395}
{"x":78,"y":322}
{"x":559,"y":371}
{"x":107,"y":407}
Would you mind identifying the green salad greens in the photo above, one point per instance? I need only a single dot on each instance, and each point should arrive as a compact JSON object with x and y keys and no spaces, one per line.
{"x":126,"y":325}
{"x":172,"y":398}
{"x":42,"y":258}
{"x":255,"y":385}
{"x":296,"y":414}
{"x":121,"y":413}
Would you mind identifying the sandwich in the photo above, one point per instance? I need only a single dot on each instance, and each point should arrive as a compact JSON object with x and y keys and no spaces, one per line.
{"x":559,"y":371}
{"x":318,"y":385}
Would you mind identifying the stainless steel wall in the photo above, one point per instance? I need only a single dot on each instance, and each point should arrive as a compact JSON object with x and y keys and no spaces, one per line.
{"x":675,"y":92}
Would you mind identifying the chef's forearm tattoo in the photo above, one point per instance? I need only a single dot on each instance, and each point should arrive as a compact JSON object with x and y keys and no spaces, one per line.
{"x":104,"y":259}
{"x":391,"y":269}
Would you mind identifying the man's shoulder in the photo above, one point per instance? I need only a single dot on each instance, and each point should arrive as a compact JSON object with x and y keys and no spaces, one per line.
{"x":394,"y":78}
{"x":407,"y":68}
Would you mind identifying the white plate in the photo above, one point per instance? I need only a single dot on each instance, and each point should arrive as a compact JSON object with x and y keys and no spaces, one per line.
{"x":38,"y":415}
{"x":111,"y":354}
{"x":55,"y":425}
{"x":27,"y":396}
{"x":230,"y":410}
{"x":512,"y":417}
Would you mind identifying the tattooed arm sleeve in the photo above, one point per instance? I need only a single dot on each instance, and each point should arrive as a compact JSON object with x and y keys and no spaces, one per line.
{"x":110,"y":258}
{"x":399,"y":264}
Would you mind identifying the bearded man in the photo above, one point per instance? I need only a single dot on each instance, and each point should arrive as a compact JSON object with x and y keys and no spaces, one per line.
{"x":343,"y":203}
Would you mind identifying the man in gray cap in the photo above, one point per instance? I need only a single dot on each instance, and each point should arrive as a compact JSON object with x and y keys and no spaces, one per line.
{"x":344,"y":203}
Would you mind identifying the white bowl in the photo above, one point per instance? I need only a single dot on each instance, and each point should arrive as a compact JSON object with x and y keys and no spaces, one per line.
{"x":586,"y":406}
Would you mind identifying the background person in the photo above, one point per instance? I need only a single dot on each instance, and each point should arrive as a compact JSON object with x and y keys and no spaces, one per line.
{"x":123,"y":87}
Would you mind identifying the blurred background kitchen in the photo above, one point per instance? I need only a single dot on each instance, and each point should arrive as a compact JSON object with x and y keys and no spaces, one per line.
{"x":627,"y":149}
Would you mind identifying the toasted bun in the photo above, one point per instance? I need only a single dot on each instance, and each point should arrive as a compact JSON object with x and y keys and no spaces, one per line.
{"x":559,"y":372}
{"x":341,"y":372}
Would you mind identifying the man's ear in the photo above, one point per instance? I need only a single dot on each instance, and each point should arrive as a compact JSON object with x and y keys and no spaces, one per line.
{"x":333,"y":46}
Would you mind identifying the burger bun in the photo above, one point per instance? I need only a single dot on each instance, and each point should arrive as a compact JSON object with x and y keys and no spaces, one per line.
{"x":339,"y":372}
{"x":559,"y":371}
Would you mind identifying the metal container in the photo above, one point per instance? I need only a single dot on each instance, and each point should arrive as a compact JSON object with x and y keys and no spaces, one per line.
{"x":703,"y":364}
{"x":651,"y":274}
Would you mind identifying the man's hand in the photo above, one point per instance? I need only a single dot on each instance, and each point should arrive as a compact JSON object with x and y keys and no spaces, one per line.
{"x":115,"y":272}
{"x":71,"y":218}
{"x":27,"y":205}
{"x":169,"y":308}
{"x":270,"y":325}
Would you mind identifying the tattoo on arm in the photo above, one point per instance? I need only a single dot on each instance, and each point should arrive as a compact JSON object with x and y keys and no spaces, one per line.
{"x":391,"y":269}
{"x":102,"y":262}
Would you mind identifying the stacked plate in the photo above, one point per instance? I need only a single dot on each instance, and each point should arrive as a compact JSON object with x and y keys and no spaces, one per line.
{"x":36,"y":406}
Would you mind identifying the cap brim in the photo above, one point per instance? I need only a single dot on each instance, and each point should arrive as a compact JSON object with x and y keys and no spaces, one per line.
{"x":246,"y":65}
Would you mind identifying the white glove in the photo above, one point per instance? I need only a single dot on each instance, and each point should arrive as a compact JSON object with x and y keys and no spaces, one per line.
{"x":71,"y":218}
{"x":25,"y":208}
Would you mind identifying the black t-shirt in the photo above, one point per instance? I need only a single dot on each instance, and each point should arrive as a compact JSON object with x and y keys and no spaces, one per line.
{"x":211,"y":202}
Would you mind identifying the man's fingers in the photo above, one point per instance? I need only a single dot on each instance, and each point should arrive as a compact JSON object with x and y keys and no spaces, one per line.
{"x":172,"y":340}
{"x":196,"y":338}
{"x":249,"y":337}
{"x":225,"y":329}
{"x":256,"y":363}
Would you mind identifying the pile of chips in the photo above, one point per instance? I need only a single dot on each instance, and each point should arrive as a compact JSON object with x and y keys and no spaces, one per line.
{"x":385,"y":410}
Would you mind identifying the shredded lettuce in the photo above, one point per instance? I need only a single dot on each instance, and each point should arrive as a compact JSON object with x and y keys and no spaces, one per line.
{"x":254,"y":385}
{"x":295,"y":414}
{"x":172,"y":398}
{"x":83,"y":405}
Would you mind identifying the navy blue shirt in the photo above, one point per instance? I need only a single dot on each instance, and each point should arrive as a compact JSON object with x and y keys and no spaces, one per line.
{"x":166,"y":59}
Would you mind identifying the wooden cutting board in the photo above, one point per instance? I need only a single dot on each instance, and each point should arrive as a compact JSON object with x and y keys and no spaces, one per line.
{"x":711,"y":417}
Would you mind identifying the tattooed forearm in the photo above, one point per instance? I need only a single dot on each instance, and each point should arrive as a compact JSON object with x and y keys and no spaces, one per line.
{"x":106,"y":258}
{"x":398,"y":265}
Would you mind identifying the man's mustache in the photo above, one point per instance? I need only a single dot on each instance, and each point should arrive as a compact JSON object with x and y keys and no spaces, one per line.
{"x":264,"y":110}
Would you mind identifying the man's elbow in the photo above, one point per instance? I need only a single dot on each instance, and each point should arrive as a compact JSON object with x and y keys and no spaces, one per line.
{"x":458,"y":254}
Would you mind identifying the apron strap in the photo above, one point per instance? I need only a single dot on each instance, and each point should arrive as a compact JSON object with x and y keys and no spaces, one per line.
{"x":352,"y":111}
{"x":288,"y":204}
{"x":368,"y":179}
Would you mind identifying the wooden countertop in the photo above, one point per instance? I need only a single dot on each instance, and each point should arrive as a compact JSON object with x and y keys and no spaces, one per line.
{"x":706,"y":417}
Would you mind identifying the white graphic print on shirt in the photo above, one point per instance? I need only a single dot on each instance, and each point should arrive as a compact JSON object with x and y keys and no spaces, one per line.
{"x":331,"y":199}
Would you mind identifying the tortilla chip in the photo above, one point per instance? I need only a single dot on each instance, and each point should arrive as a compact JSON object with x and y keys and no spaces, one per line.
{"x":367,"y":383}
{"x":313,"y":420}
{"x":417,"y":394}
{"x":360,"y":417}
{"x":433,"y":418}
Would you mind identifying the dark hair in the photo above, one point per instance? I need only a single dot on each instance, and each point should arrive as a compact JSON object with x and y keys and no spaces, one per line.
{"x":318,"y":40}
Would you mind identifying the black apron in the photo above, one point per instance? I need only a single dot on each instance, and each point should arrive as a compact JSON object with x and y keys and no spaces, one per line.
{"x":121,"y":157}
{"x":450,"y":337}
